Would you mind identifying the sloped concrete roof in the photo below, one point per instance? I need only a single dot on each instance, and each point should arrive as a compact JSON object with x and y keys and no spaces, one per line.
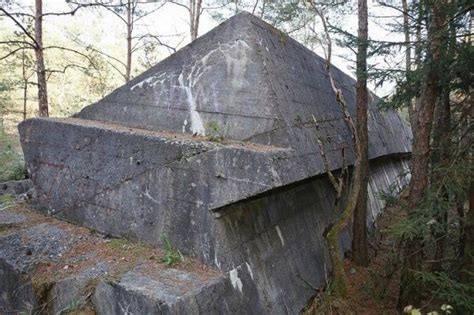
{"x":255,"y":84}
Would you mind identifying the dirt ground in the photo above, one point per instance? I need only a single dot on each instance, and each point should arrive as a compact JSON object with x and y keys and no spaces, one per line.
{"x":373,"y":290}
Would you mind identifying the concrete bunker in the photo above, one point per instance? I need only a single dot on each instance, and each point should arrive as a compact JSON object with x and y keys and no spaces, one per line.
{"x":215,"y":147}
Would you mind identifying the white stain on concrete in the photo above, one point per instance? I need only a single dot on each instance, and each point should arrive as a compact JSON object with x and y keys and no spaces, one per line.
{"x":282,"y":240}
{"x":235,"y":280}
{"x":151,"y":81}
{"x":249,"y":269}
{"x":275,"y":175}
{"x":140,"y":84}
{"x":237,"y":58}
{"x":216,"y":260}
{"x":185,"y":123}
{"x":197,"y":126}
{"x":147,"y":194}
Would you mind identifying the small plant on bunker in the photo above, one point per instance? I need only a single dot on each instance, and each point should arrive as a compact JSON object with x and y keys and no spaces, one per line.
{"x":390,"y":195}
{"x":6,"y":201}
{"x":172,"y":255}
{"x":215,"y":134}
{"x":72,"y":306}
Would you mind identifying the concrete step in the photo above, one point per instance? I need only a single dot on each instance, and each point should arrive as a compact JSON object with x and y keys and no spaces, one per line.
{"x":48,"y":266}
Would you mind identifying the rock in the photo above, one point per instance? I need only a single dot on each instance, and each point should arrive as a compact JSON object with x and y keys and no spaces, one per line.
{"x":16,"y":187}
{"x":73,"y":291}
{"x":9,"y":218}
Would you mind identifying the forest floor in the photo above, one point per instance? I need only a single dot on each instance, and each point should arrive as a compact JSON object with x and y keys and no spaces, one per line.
{"x":373,"y":290}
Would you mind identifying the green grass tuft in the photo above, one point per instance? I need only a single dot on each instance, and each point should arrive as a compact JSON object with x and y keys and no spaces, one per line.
{"x":12,"y":165}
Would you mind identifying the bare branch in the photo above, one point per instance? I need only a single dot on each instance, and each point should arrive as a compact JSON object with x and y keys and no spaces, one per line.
{"x":337,"y":184}
{"x":51,"y":71}
{"x":20,"y":14}
{"x":13,"y":52}
{"x":150,"y":12}
{"x":72,"y":12}
{"x":17,"y":42}
{"x":75,"y":52}
{"x":158,"y":40}
{"x":179,"y":4}
{"x":20,"y":26}
{"x":106,"y":55}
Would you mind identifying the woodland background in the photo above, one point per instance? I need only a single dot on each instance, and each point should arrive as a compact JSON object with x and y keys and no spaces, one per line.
{"x":58,"y":56}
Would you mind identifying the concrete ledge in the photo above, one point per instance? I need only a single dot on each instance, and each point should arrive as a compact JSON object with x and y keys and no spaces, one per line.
{"x":50,"y":266}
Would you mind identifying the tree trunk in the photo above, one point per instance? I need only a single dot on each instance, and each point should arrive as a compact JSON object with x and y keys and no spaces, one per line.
{"x":40,"y":68}
{"x":409,"y":293}
{"x":25,"y":81}
{"x":441,"y":153}
{"x":128,"y":68}
{"x":468,"y":258}
{"x":359,"y":228}
{"x":262,"y":12}
{"x":406,"y":31}
{"x":25,"y":95}
{"x":195,"y":7}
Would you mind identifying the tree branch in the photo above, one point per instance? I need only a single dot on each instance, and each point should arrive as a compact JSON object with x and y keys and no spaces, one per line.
{"x":13,"y":52}
{"x":157,"y":39}
{"x":20,"y":26}
{"x":17,"y":42}
{"x":73,"y":51}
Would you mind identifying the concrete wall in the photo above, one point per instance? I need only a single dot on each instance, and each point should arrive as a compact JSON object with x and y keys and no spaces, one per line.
{"x":141,"y":186}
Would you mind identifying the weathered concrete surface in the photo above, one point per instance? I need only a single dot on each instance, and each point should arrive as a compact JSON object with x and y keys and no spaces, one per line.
{"x":142,"y":291}
{"x":75,"y":290}
{"x":15,"y":187}
{"x":275,"y":237}
{"x":19,"y":253}
{"x":255,"y":206}
{"x":219,"y":77}
{"x":51,"y":267}
{"x":257,"y":85}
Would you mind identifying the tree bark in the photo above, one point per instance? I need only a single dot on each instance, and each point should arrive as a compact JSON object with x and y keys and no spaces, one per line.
{"x":25,"y":82}
{"x":441,"y":153}
{"x":128,"y":68}
{"x":406,"y":30}
{"x":468,"y":258}
{"x":334,"y":233}
{"x":409,"y":293}
{"x":40,"y":68}
{"x":359,"y":227}
{"x":195,"y":7}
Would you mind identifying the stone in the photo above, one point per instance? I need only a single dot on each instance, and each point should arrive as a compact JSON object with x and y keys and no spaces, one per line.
{"x":16,"y":187}
{"x":72,"y":291}
{"x":215,"y":148}
{"x":9,"y":218}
